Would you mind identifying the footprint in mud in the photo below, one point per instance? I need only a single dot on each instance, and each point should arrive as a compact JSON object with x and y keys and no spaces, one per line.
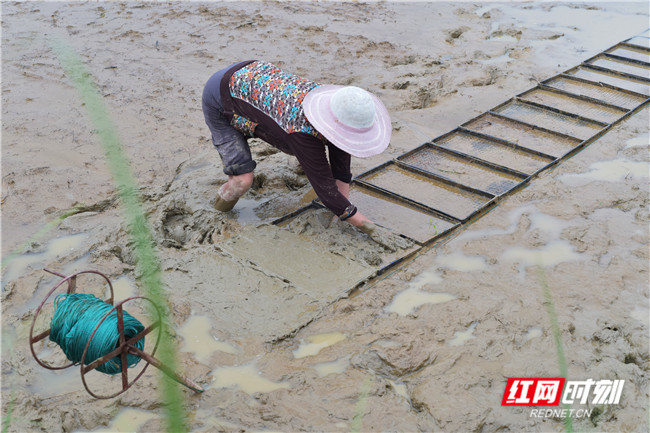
{"x":178,"y":229}
{"x":183,"y":210}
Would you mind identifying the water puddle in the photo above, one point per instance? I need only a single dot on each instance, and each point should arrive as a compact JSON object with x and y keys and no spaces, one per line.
{"x":409,"y":300}
{"x":609,"y":171}
{"x":461,"y":337}
{"x":400,"y":389}
{"x":556,"y":251}
{"x":641,"y":314}
{"x":50,"y":383}
{"x":316,"y":343}
{"x":123,"y":288}
{"x":461,"y":262}
{"x":550,"y":255}
{"x":54,"y":249}
{"x":548,"y":224}
{"x":128,"y":420}
{"x":513,"y":218}
{"x":533,"y":333}
{"x":424,"y":279}
{"x":335,"y":367}
{"x":245,"y":378}
{"x":198,"y":340}
{"x":642,"y":140}
{"x":538,"y":220}
{"x":247,"y":210}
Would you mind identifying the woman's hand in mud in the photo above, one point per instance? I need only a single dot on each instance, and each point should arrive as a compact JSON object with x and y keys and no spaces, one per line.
{"x":384,"y":237}
{"x":359,"y":220}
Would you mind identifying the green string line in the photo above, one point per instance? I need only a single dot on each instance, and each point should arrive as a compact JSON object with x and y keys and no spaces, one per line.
{"x":147,"y":261}
{"x":557,"y":335}
{"x":360,"y":409}
{"x":10,"y":409}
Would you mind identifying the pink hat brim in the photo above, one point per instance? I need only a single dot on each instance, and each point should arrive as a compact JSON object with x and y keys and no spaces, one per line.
{"x":357,"y":142}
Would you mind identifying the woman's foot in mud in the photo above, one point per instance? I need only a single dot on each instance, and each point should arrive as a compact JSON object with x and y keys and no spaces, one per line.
{"x":224,"y":205}
{"x":229,"y":193}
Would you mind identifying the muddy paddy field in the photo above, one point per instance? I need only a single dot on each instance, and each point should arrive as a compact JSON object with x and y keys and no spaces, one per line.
{"x":263,"y":316}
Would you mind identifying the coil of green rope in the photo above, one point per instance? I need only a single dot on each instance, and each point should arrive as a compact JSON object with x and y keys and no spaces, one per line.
{"x":75,"y":317}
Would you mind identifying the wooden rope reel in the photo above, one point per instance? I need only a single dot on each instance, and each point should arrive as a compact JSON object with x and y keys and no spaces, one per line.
{"x":125,"y":346}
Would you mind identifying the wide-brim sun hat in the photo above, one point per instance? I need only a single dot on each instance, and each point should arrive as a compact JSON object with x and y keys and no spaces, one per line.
{"x":351,"y":118}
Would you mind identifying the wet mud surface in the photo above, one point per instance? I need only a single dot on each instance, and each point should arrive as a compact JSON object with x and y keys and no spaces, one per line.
{"x":264,"y":316}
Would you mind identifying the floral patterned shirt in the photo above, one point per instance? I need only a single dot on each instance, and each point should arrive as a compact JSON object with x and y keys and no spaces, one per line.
{"x":276,"y":93}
